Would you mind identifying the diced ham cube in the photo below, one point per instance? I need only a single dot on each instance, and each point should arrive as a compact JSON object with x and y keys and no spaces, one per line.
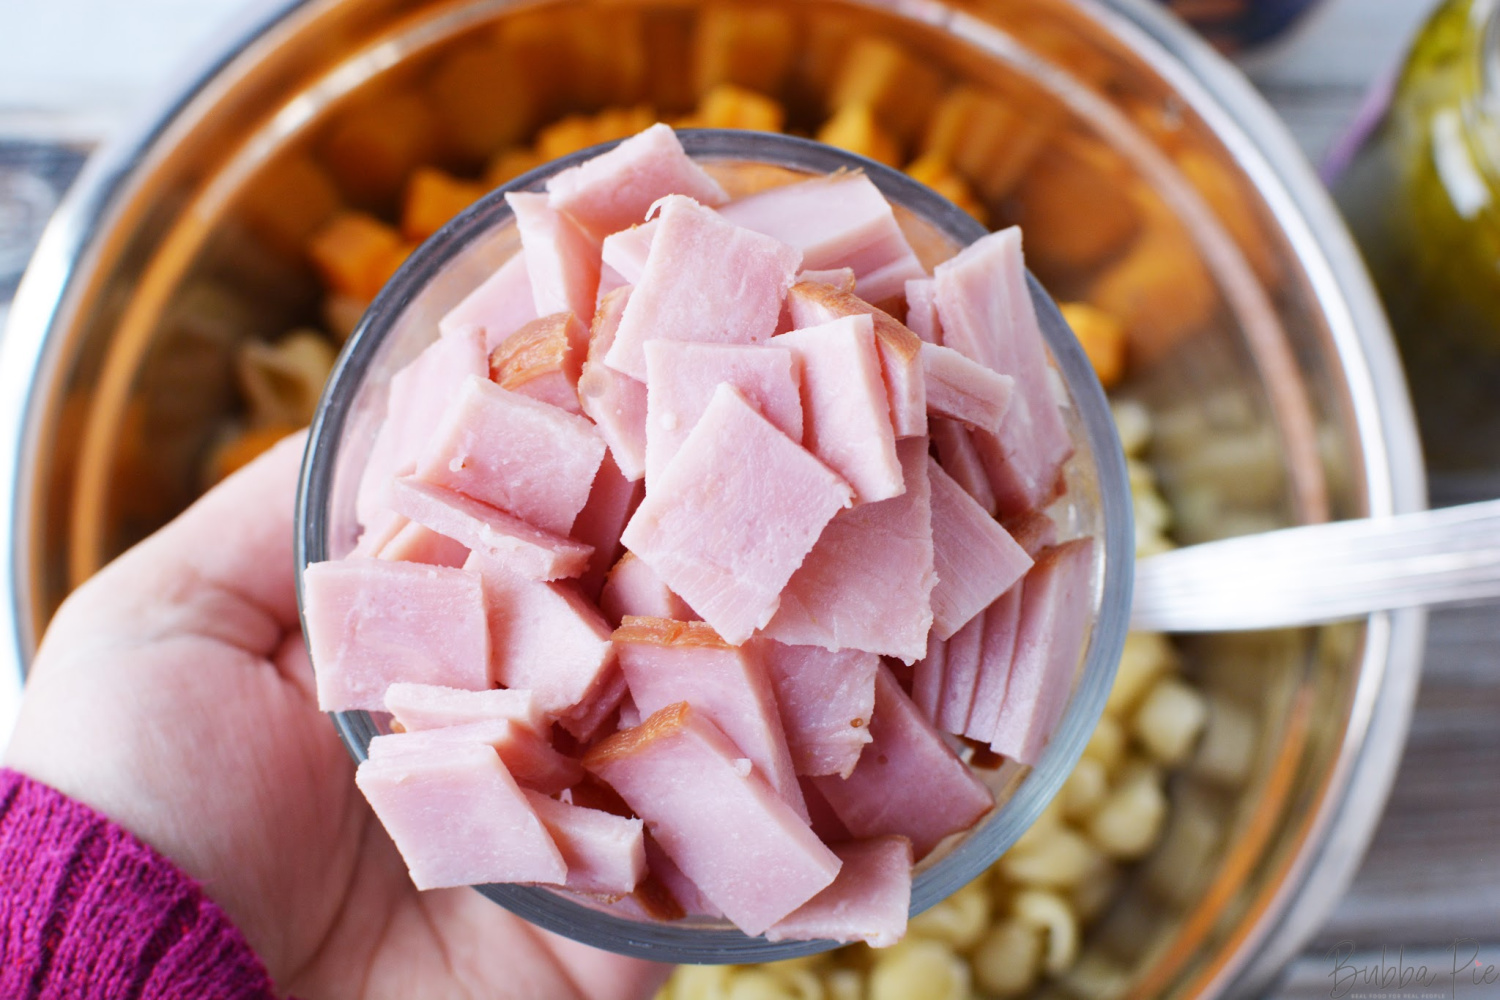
{"x":612,"y":500}
{"x":681,"y":379}
{"x":542,"y":360}
{"x":371,"y":623}
{"x":705,"y":280}
{"x":626,"y":251}
{"x":1002,"y":621}
{"x":616,"y":189}
{"x":498,"y":536}
{"x":841,"y":278}
{"x":921,"y":310}
{"x":837,"y":221}
{"x":734,"y":515}
{"x":499,"y":307}
{"x":459,"y":818}
{"x":1055,"y":610}
{"x":562,"y":260}
{"x":927,"y":678}
{"x":868,"y":581}
{"x":907,"y":781}
{"x":987,"y":315}
{"x":825,"y":822}
{"x":688,"y":897}
{"x":527,"y":755}
{"x":899,"y":349}
{"x":513,"y":452}
{"x":826,"y":699}
{"x":632,"y":588}
{"x":846,"y":420}
{"x":868,"y":901}
{"x":586,"y":721}
{"x":976,"y":558}
{"x":614,"y":401}
{"x":605,"y":854}
{"x":959,"y":457}
{"x":718,"y":820}
{"x":965,"y":390}
{"x":544,"y":637}
{"x":667,"y":661}
{"x":960,"y":675}
{"x":418,"y":396}
{"x":432,"y":706}
{"x":417,"y":543}
{"x":377,"y":534}
{"x":1033,"y":531}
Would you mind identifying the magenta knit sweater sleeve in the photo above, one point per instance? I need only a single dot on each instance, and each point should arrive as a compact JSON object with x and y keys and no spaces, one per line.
{"x":89,"y":911}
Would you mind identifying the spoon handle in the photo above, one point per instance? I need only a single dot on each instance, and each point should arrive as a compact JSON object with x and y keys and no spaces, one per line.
{"x":1323,"y":572}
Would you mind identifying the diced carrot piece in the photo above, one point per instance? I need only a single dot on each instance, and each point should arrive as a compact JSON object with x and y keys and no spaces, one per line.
{"x":243,"y":448}
{"x":987,"y":137}
{"x":730,"y":106}
{"x":854,"y":128}
{"x":372,"y":149}
{"x":1075,"y":206}
{"x":1102,"y":337}
{"x":937,"y":173}
{"x":290,"y":199}
{"x":354,"y":253}
{"x":577,"y":132}
{"x":432,"y":198}
{"x":899,"y":89}
{"x":481,"y":99}
{"x":509,"y":164}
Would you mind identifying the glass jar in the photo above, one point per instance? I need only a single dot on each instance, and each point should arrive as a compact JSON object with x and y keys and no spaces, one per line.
{"x":1422,"y":195}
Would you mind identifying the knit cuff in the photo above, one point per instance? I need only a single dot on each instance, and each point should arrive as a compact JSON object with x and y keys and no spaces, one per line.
{"x":88,"y":910}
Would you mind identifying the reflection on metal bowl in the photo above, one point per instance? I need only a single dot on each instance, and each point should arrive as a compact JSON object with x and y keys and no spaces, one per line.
{"x":1151,"y":180}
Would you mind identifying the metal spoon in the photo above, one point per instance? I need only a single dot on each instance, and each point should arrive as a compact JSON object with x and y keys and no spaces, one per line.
{"x":1323,"y":572}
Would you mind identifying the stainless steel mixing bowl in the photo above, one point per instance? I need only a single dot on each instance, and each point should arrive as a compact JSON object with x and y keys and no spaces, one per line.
{"x":1257,"y":344}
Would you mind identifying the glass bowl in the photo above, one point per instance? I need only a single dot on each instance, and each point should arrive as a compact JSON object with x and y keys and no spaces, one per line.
{"x":403,"y":319}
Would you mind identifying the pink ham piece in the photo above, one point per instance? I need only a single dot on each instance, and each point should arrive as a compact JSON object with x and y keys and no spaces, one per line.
{"x":419,"y":544}
{"x":718,"y":819}
{"x":544,"y":638}
{"x":846,"y":420}
{"x":1033,"y":531}
{"x":976,"y":558}
{"x":867,"y":583}
{"x":687,"y":896}
{"x":825,"y":822}
{"x":987,"y":315}
{"x":960,"y":676}
{"x":868,"y":901}
{"x":667,"y":661}
{"x":927,"y":678}
{"x":837,"y":221}
{"x":371,"y":623}
{"x":562,"y":260}
{"x":626,"y":251}
{"x":515,"y":453}
{"x":605,"y":854}
{"x":1055,"y":610}
{"x":907,"y":781}
{"x":733,"y":516}
{"x":459,"y":818}
{"x":633,"y":589}
{"x":499,"y":307}
{"x":614,"y":401}
{"x":500,"y":537}
{"x":841,"y":278}
{"x":612,"y":500}
{"x":616,"y":189}
{"x":586,"y":721}
{"x":921,"y":310}
{"x":542,"y":360}
{"x":432,"y":706}
{"x":527,"y":755}
{"x":899,"y":349}
{"x":681,"y":379}
{"x":378,"y":534}
{"x":965,"y":390}
{"x":705,"y":280}
{"x":415,"y":402}
{"x":959,"y":457}
{"x":826,"y":699}
{"x":1002,"y":621}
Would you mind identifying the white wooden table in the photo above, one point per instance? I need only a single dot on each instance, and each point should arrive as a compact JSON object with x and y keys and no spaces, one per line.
{"x":72,"y":70}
